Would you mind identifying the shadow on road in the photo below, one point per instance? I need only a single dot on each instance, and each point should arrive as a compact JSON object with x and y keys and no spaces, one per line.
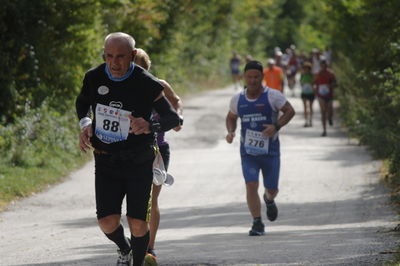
{"x":220,"y":235}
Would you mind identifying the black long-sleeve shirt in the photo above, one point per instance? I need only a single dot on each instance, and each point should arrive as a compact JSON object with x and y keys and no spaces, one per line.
{"x":110,"y":101}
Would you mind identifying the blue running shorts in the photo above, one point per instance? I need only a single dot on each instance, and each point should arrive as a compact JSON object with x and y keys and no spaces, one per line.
{"x":268,"y":164}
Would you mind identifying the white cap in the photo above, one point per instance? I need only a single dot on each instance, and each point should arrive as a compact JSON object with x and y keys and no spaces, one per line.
{"x":271,"y":61}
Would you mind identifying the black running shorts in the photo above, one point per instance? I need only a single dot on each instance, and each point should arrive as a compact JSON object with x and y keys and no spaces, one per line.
{"x":309,"y":97}
{"x":117,"y":176}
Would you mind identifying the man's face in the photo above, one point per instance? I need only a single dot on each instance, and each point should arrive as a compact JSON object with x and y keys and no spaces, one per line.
{"x":253,"y":78}
{"x":118,"y":56}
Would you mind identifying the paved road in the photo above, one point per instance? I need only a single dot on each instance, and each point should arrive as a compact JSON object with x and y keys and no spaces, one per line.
{"x":333,"y":211}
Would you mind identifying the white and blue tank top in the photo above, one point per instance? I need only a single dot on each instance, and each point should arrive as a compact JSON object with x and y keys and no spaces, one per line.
{"x":253,"y":115}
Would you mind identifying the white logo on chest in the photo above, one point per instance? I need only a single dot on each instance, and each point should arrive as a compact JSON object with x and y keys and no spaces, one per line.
{"x":103,"y":90}
{"x":253,"y":124}
{"x":116,"y":104}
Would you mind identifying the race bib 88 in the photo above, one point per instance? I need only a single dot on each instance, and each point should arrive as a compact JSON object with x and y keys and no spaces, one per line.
{"x":112,"y":124}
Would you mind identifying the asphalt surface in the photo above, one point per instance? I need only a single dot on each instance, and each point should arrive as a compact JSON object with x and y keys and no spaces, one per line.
{"x":332,"y":208}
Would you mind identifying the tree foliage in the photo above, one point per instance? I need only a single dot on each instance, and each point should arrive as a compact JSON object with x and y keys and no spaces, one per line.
{"x":367,"y":44}
{"x":46,"y":45}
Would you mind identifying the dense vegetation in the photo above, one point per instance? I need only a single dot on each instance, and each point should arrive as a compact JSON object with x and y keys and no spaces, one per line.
{"x":367,"y":44}
{"x":48,"y":45}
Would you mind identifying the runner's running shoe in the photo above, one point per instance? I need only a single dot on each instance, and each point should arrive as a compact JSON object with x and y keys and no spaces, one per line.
{"x":152,"y":252}
{"x":257,"y":229}
{"x":272,"y":210}
{"x":124,"y":258}
{"x":151,"y":258}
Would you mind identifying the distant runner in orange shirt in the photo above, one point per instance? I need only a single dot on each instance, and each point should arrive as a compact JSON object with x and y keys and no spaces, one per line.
{"x":273,"y":76}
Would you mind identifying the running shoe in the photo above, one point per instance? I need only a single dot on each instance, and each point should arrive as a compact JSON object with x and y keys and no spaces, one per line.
{"x":323,"y":134}
{"x":151,"y":258}
{"x":272,"y":210}
{"x":124,"y":258}
{"x":257,"y":229}
{"x":152,"y":252}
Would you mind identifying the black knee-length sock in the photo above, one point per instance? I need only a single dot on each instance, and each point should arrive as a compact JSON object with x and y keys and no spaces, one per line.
{"x":118,"y":237}
{"x":139,"y":246}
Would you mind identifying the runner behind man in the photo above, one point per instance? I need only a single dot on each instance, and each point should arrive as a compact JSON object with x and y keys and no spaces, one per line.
{"x":248,"y":58}
{"x":315,"y":61}
{"x":234,"y":64}
{"x":324,"y":83}
{"x":258,"y":108}
{"x":273,"y":76}
{"x":279,"y":63}
{"x":142,"y":59}
{"x":307,"y":93}
{"x":122,"y":97}
{"x":291,"y":69}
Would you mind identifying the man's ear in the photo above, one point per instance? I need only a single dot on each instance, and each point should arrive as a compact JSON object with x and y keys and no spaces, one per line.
{"x":103,"y":56}
{"x":134,"y":52}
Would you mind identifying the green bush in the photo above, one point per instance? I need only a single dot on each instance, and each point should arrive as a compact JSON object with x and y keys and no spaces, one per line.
{"x":369,"y":74}
{"x":38,"y":149}
{"x":46,"y":45}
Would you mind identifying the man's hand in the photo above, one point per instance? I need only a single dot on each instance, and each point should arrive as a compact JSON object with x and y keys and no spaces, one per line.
{"x":269,"y":130}
{"x":177,"y":128}
{"x":139,"y":126}
{"x":229,"y":137}
{"x":84,"y":138}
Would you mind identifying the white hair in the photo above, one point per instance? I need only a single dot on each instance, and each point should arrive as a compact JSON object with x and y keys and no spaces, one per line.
{"x":121,"y":36}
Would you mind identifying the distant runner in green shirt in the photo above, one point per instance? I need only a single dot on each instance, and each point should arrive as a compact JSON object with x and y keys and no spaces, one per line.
{"x":307,"y":93}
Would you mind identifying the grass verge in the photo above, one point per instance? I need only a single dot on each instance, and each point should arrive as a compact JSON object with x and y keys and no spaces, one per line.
{"x":393,"y":183}
{"x":17,"y":181}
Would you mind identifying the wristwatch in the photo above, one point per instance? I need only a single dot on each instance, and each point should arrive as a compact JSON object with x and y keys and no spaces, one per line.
{"x":277,"y":126}
{"x":155,"y":127}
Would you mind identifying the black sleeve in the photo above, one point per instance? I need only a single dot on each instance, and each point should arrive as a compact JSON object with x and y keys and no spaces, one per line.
{"x":152,"y":86}
{"x":82,"y":102}
{"x":168,"y":116}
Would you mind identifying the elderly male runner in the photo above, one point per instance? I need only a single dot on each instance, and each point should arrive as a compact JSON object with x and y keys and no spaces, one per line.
{"x":258,"y":108}
{"x":121,"y":96}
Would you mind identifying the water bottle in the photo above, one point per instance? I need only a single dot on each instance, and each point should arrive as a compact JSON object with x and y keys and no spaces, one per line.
{"x":169,"y":180}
